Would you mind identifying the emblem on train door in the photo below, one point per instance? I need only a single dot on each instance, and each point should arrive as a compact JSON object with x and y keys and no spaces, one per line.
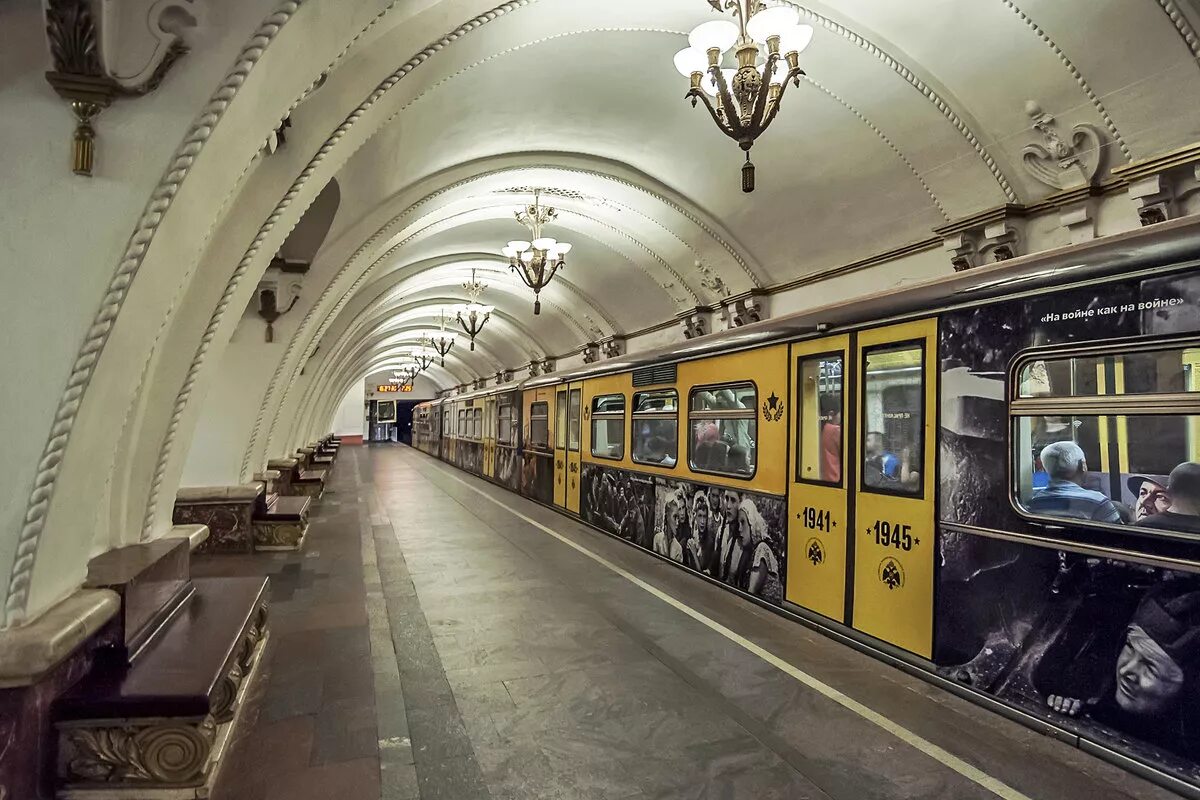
{"x":891,"y":573}
{"x":772,"y":408}
{"x":814,"y":552}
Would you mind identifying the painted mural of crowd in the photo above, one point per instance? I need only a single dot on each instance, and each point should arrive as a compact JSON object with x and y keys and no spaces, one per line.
{"x":1171,"y":503}
{"x":735,"y":537}
{"x":1108,"y":646}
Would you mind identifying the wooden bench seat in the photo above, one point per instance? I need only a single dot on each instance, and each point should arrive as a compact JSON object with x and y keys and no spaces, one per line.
{"x":119,"y":725}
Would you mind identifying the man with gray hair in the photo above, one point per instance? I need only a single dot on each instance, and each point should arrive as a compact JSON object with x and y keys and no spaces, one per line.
{"x":1065,"y":496}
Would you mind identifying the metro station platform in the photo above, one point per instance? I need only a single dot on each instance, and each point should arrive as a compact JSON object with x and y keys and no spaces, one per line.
{"x":443,"y":639}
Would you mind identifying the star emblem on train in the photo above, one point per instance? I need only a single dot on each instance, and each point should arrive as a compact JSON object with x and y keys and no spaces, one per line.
{"x":773,"y":408}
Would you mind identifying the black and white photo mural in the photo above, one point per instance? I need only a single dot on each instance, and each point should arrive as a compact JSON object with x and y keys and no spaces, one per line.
{"x":1105,"y":647}
{"x":733,"y":536}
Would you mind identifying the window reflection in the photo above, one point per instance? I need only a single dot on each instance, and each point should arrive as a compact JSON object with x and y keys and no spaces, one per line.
{"x":892,"y":425}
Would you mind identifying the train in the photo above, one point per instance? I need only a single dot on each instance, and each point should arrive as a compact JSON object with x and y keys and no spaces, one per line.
{"x":993,"y":476}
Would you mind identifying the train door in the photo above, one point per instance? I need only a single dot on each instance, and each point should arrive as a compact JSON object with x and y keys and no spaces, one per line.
{"x":894,"y":538}
{"x":818,"y":495}
{"x":560,"y":447}
{"x":489,"y":437}
{"x":574,"y":445}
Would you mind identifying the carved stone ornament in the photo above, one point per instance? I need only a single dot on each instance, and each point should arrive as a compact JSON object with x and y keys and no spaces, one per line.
{"x":279,"y":535}
{"x":535,"y":368}
{"x":165,"y":753}
{"x":126,"y":53}
{"x":743,"y":309}
{"x":591,"y":353}
{"x":713,"y":282}
{"x":613,"y":347}
{"x":695,"y":323}
{"x":1062,"y":163}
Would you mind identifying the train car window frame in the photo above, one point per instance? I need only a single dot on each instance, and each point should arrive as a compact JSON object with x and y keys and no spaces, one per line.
{"x":575,"y":424}
{"x":505,"y":423}
{"x":1112,"y":414}
{"x":534,"y":416}
{"x":608,"y":416}
{"x":862,"y":432}
{"x":560,"y":420}
{"x":477,"y":424}
{"x":654,"y":416}
{"x":723,"y":414}
{"x":841,"y":356}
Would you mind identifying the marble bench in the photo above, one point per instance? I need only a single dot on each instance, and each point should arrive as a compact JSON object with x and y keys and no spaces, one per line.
{"x":153,"y":716}
{"x":228,"y":511}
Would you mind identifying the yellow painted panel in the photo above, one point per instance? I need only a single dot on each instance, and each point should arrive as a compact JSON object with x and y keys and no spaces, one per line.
{"x":817,"y":513}
{"x":593,"y":388}
{"x":558,"y":429}
{"x":894,"y":541}
{"x":574,"y":457}
{"x":767,"y":369}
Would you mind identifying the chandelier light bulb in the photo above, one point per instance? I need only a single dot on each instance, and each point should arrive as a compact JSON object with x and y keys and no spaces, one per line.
{"x":563,"y":248}
{"x":509,"y":251}
{"x":719,"y":34}
{"x":795,"y":39}
{"x":527,"y":256}
{"x":519,"y":245}
{"x":545,"y":243}
{"x":689,"y":60}
{"x":772,"y":22}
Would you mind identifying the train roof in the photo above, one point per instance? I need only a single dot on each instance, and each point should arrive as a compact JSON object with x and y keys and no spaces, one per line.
{"x":1172,"y":243}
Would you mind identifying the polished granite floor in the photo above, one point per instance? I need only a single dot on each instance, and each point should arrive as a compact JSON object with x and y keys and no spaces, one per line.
{"x":430,"y":643}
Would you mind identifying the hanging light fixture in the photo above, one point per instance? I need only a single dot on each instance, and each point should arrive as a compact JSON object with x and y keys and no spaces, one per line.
{"x":443,"y":341}
{"x":424,"y":355}
{"x":536,"y":261}
{"x":473,"y":315}
{"x":746,"y":98}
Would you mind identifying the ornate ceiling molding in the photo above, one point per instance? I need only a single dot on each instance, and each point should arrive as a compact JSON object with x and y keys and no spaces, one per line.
{"x":1075,"y":73}
{"x":887,"y":141}
{"x":1183,"y":26}
{"x":268,"y":226}
{"x":114,"y":298}
{"x":940,"y":103}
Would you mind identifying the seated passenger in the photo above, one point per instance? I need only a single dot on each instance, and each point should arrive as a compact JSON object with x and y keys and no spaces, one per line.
{"x":1064,"y":496}
{"x":1184,"y":512}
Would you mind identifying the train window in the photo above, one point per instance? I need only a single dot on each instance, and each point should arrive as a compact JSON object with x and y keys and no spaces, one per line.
{"x":573,"y":420}
{"x":893,"y":419}
{"x":608,"y":426}
{"x":462,"y":422}
{"x":506,"y":424}
{"x":539,"y":425}
{"x":477,"y":428}
{"x":820,"y":424}
{"x":723,"y":430}
{"x":1165,"y":370}
{"x":446,"y":423}
{"x":656,"y":427}
{"x":560,"y":421}
{"x":1110,"y":436}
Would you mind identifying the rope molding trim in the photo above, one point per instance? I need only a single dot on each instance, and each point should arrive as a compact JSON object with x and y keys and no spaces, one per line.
{"x":189,"y":382}
{"x":33,"y":524}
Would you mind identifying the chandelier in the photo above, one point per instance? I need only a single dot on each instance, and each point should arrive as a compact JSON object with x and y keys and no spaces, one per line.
{"x":424,"y":355}
{"x":746,"y":98}
{"x":536,"y":261}
{"x":441,"y":342}
{"x":476,"y":314}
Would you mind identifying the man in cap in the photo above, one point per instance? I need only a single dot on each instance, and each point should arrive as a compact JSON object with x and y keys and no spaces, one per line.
{"x":1183,"y":514}
{"x":1065,"y":496}
{"x":1149,"y":496}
